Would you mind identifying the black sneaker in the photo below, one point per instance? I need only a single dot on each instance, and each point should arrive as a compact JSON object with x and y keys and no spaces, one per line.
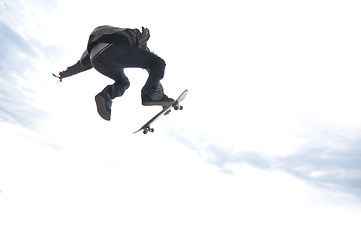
{"x":156,"y":98}
{"x":104,"y":105}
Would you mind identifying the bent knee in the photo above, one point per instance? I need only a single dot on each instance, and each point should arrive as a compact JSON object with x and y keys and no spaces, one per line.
{"x":158,"y":63}
{"x":126,"y":84}
{"x":157,"y":68}
{"x":161,"y":62}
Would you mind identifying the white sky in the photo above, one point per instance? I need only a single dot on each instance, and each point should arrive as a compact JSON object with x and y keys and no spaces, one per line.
{"x":268,"y":145}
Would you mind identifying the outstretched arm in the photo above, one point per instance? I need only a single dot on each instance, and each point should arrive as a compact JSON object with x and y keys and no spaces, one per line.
{"x":82,"y":65}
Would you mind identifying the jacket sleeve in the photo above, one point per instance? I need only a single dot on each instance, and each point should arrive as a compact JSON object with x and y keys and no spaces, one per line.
{"x":143,"y":39}
{"x":82,"y":65}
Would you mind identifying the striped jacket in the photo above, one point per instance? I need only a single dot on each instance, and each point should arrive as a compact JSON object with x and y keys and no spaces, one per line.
{"x":134,"y":36}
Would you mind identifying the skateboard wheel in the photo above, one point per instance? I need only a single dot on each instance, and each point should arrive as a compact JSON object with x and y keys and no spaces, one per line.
{"x":176,"y":107}
{"x":146,"y":130}
{"x":180,"y":107}
{"x":151,"y":130}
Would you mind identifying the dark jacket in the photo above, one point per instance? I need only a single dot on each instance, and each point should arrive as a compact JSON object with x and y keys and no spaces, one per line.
{"x":108,"y":34}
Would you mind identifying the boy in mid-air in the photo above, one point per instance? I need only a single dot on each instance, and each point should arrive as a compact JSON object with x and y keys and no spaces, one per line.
{"x":110,"y":50}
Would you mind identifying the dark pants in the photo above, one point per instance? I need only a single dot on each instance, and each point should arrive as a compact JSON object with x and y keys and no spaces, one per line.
{"x":116,"y":58}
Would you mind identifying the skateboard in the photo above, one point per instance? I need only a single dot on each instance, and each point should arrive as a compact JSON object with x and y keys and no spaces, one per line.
{"x":146,"y":127}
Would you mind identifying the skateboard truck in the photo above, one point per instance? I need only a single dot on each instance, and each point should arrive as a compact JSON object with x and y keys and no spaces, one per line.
{"x":177,"y":107}
{"x":148,"y":129}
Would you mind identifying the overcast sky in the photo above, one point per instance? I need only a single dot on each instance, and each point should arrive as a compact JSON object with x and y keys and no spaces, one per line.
{"x":268,"y":144}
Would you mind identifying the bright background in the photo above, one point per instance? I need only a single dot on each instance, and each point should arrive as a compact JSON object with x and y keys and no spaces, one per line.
{"x":268,"y":144}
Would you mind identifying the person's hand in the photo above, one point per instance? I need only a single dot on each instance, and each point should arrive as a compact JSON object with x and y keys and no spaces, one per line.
{"x":60,"y":77}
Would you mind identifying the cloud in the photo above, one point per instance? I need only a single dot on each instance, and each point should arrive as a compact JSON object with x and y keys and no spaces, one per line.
{"x":25,"y":52}
{"x":15,"y":52}
{"x":330,"y":167}
{"x":16,"y":99}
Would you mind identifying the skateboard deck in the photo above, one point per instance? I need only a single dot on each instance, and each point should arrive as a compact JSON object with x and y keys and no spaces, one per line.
{"x":146,"y":127}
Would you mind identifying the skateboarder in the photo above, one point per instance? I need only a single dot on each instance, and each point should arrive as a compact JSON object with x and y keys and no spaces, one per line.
{"x":110,"y":50}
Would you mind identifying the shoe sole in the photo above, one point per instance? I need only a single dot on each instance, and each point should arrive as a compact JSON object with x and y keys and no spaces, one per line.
{"x":157,"y":103}
{"x":101,"y":108}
